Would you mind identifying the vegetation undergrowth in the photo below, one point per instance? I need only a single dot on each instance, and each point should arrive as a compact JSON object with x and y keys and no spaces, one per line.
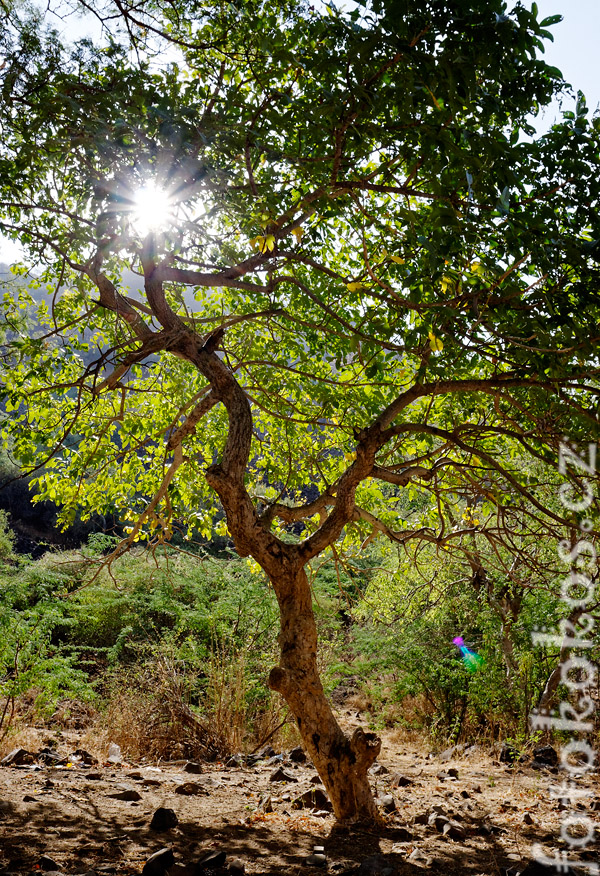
{"x":168,"y":653}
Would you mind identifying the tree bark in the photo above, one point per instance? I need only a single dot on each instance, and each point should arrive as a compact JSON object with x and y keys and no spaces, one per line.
{"x":554,"y":679}
{"x":342,"y":762}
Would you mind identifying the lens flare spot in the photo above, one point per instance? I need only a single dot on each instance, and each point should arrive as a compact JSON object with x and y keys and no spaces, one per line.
{"x":152,"y":210}
{"x":472,"y":661}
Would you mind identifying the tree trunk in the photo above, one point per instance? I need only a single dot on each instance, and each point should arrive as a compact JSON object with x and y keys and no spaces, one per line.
{"x":508,"y":649}
{"x":342,"y":762}
{"x":554,"y":679}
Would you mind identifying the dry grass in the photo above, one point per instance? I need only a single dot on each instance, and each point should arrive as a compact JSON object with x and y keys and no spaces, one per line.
{"x":149,"y":715}
{"x":72,"y":715}
{"x":29,"y":726}
{"x":20,"y":736}
{"x":402,"y":736}
{"x":245,"y":725}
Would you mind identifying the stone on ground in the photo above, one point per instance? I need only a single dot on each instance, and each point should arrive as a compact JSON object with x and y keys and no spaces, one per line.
{"x":158,"y":863}
{"x":163,"y":819}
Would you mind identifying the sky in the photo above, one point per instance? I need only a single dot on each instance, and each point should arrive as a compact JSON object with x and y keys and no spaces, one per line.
{"x":575,"y":51}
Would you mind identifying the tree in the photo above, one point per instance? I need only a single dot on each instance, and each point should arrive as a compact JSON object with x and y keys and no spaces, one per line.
{"x":361,"y":268}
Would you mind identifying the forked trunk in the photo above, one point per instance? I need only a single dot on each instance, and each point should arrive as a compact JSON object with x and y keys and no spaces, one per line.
{"x":342,"y":762}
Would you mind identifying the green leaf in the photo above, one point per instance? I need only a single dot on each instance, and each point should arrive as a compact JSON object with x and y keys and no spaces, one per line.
{"x":551,"y":19}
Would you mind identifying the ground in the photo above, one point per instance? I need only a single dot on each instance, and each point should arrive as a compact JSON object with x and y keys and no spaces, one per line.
{"x":495,"y":812}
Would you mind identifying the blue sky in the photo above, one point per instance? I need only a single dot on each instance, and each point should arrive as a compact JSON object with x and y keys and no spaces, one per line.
{"x":575,"y":51}
{"x":576,"y":47}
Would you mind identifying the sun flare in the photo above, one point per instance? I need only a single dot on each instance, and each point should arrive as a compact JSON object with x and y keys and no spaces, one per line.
{"x":152,"y":210}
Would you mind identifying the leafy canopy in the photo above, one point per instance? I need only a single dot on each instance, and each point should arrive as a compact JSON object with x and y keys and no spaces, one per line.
{"x":361,"y":227}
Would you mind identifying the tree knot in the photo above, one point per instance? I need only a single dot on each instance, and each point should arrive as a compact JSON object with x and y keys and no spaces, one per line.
{"x":214,"y":473}
{"x":279,"y":680}
{"x":366,"y":747}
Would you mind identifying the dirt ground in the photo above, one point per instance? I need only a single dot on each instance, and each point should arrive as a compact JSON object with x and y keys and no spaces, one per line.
{"x":495,"y":811}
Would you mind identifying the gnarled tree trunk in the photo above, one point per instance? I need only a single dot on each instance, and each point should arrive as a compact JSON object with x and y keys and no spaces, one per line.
{"x":341,"y":762}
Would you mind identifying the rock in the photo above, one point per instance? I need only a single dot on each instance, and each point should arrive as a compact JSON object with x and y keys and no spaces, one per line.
{"x":114,"y":754}
{"x":6,"y":808}
{"x":438,"y":821}
{"x":487,"y":828}
{"x":315,"y":799}
{"x":507,"y":753}
{"x":454,"y":831}
{"x":236,"y":867}
{"x":190,"y":789}
{"x":400,"y":781}
{"x":135,"y":775}
{"x":419,"y":857}
{"x":50,"y":758}
{"x":237,"y":760}
{"x":182,"y":870}
{"x":449,"y":753}
{"x":387,"y":802}
{"x":163,"y":819}
{"x":212,"y":782}
{"x":158,"y":863}
{"x":211,"y":861}
{"x":276,"y":759}
{"x":545,"y":754}
{"x":192,"y":767}
{"x":317,"y":860}
{"x":265,"y":751}
{"x":450,"y":773}
{"x":85,"y":756}
{"x":266,"y":804}
{"x":298,"y":755}
{"x":280,"y":775}
{"x":17,"y":756}
{"x":129,"y":795}
{"x":48,"y":864}
{"x":375,"y":865}
{"x":402,"y":835}
{"x":379,"y":769}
